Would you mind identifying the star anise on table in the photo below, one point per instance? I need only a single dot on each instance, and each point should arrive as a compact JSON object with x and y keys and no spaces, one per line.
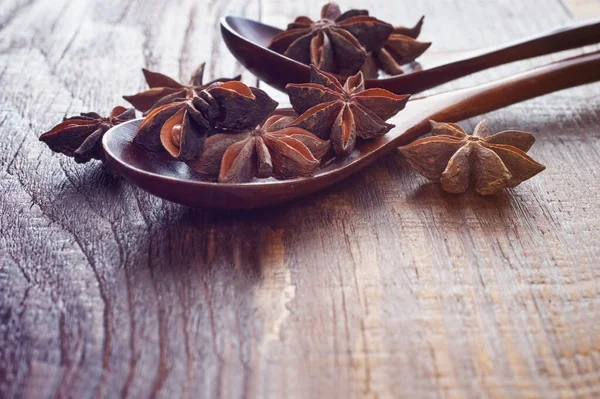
{"x":165,"y":90}
{"x":343,"y":113}
{"x":271,"y":149}
{"x":336,"y":43}
{"x":181,"y":128}
{"x":80,"y":136}
{"x":400,"y":48}
{"x":487,"y":162}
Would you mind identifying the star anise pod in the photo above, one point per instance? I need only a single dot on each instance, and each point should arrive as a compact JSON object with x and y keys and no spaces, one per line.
{"x":165,"y":90}
{"x":182,"y":127}
{"x":336,"y":43}
{"x":342,"y":113}
{"x":271,"y":149}
{"x":401,"y":48}
{"x":487,"y":162}
{"x":80,"y":136}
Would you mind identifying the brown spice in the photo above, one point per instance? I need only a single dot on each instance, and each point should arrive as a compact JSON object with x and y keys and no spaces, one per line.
{"x":346,"y":43}
{"x":272,"y":149}
{"x":401,"y":48}
{"x":487,"y":162}
{"x":343,"y":113}
{"x":80,"y":136}
{"x":336,"y":43}
{"x":165,"y":90}
{"x":182,"y":127}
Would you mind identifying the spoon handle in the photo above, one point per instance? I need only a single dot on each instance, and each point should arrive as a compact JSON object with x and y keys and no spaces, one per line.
{"x":462,"y":104}
{"x":567,"y":38}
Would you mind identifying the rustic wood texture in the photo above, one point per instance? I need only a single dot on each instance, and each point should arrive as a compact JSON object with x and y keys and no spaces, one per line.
{"x":379,"y":287}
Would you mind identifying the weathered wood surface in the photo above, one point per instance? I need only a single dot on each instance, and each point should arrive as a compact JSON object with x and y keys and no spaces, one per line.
{"x":378,"y":287}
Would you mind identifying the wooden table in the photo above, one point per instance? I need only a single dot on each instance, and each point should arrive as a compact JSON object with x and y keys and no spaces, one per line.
{"x":381,"y":286}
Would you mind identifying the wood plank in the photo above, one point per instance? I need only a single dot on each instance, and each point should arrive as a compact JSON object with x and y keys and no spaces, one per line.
{"x":430,"y":315}
{"x":75,"y":263}
{"x":381,"y":286}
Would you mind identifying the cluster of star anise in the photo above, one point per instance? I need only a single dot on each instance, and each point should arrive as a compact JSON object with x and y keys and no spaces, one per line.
{"x":223,"y":133}
{"x":230,"y":132}
{"x":345,"y":43}
{"x":80,"y":136}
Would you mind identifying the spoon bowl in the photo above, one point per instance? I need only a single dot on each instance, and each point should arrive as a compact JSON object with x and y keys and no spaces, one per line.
{"x":167,"y":178}
{"x":248,"y":41}
{"x":163,"y":176}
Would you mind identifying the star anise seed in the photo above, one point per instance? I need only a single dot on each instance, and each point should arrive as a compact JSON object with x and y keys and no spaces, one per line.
{"x":343,"y":113}
{"x":336,"y":43}
{"x":268,"y":150}
{"x":487,"y":162}
{"x":165,"y":90}
{"x":182,"y":127}
{"x":80,"y":137}
{"x":240,"y":106}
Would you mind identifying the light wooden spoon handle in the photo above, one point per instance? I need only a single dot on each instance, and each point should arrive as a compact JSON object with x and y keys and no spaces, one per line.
{"x":466,"y":103}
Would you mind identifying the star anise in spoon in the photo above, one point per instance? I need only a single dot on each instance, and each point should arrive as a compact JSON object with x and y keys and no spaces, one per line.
{"x":80,"y":136}
{"x":182,"y":127}
{"x":165,"y":90}
{"x":487,"y":162}
{"x":343,"y":113}
{"x":271,"y":149}
{"x":336,"y":43}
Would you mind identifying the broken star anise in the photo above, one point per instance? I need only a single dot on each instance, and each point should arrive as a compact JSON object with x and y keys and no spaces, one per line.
{"x":400,"y":48}
{"x":80,"y":136}
{"x":165,"y":90}
{"x":343,"y":113}
{"x":271,"y":149}
{"x":182,"y":127}
{"x":337,"y":43}
{"x":487,"y":162}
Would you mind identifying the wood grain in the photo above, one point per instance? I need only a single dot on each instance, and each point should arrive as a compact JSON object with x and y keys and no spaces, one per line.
{"x":379,"y":287}
{"x":583,"y":9}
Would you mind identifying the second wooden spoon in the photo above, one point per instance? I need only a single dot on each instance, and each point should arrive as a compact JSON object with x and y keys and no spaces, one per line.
{"x":248,"y":41}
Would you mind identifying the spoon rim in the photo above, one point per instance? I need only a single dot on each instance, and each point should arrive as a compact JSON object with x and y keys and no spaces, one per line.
{"x":225,"y":23}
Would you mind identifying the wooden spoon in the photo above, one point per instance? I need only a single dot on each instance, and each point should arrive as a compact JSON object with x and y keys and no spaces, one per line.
{"x":165,"y":177}
{"x":248,"y":40}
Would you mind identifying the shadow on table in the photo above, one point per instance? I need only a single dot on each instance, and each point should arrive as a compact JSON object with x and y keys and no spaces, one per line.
{"x":241,"y":238}
{"x":432,"y":194}
{"x":178,"y":238}
{"x":412,"y":196}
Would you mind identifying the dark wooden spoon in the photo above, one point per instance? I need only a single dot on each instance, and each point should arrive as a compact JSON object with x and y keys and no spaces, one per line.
{"x":248,"y":40}
{"x":161,"y":175}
